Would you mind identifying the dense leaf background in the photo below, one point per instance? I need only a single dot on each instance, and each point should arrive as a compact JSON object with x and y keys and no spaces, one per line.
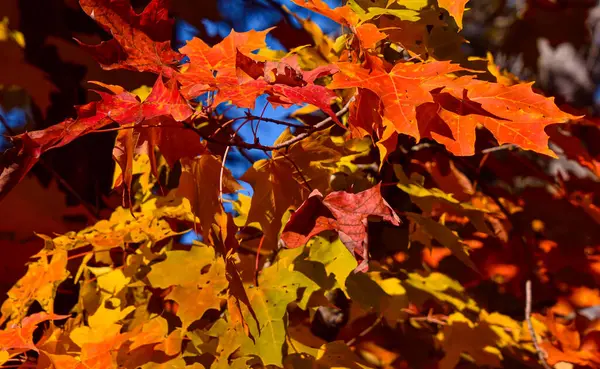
{"x":401,"y":235}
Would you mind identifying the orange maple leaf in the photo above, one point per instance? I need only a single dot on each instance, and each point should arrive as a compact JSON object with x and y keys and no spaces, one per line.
{"x":423,"y":100}
{"x":513,"y":114}
{"x":214,"y":68}
{"x":456,"y":8}
{"x":343,"y":14}
{"x":401,"y":90}
{"x":20,"y":336}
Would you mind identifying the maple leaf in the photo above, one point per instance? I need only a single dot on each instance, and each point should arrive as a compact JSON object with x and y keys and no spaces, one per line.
{"x":444,"y":236}
{"x":421,"y":101}
{"x":456,"y":8}
{"x":284,"y":181}
{"x":401,"y":90}
{"x":513,"y":114}
{"x":196,"y":292}
{"x":231,"y":338}
{"x":567,"y":344}
{"x":141,"y":41}
{"x":19,"y":336}
{"x":404,"y":10}
{"x":126,"y":108}
{"x":162,"y":101}
{"x":441,"y":288}
{"x":200,"y":183}
{"x":173,"y":142}
{"x":367,"y":34}
{"x":122,"y":107}
{"x":278,"y":286}
{"x":429,"y":36}
{"x":147,"y":225}
{"x":38,"y":284}
{"x":343,"y":14}
{"x":343,"y":212}
{"x":214,"y":68}
{"x":428,"y":199}
{"x":99,"y":344}
{"x":482,"y":340}
{"x":275,"y":190}
{"x":288,"y":84}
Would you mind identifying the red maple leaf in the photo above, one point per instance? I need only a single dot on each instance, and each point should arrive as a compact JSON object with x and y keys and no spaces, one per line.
{"x":121,"y":107}
{"x":344,"y":212}
{"x":141,"y":41}
{"x":288,"y":84}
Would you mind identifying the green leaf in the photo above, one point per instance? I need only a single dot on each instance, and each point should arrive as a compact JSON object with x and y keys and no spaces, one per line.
{"x":278,"y":286}
{"x":335,"y":257}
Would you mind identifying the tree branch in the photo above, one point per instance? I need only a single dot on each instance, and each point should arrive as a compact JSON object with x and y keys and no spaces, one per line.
{"x":540,"y":352}
{"x":271,"y":120}
{"x":324,"y":124}
{"x":54,"y":174}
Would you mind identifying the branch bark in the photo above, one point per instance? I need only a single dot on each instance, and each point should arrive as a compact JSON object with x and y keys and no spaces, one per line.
{"x":540,"y":352}
{"x":324,"y":124}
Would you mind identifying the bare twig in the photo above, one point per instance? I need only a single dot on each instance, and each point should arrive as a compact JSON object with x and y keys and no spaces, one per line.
{"x":499,"y":148}
{"x":324,"y":124}
{"x":366,"y":331}
{"x":271,"y":120}
{"x":540,"y":352}
{"x":260,"y":118}
{"x":245,"y":155}
{"x":308,"y":186}
{"x":221,"y":175}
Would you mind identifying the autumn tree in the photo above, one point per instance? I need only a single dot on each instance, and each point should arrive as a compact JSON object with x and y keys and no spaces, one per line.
{"x":385,"y":227}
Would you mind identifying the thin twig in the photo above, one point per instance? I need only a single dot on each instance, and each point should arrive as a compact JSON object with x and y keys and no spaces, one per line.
{"x":276,"y":121}
{"x":324,"y":124}
{"x":540,"y":352}
{"x":221,"y":175}
{"x":308,"y":186}
{"x":366,"y":331}
{"x":246,"y":155}
{"x":260,"y":118}
{"x":499,"y":148}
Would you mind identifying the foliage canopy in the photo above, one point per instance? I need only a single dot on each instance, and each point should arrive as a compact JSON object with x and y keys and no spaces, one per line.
{"x":334,"y":261}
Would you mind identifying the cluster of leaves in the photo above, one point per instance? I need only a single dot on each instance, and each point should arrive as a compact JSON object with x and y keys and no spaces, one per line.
{"x":366,"y":218}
